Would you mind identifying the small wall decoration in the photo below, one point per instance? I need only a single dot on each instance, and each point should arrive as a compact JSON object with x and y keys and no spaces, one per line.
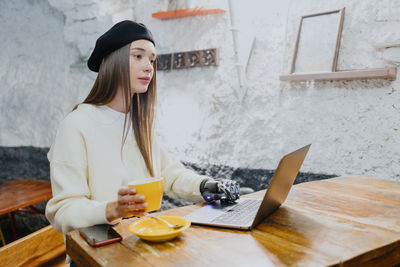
{"x":317,"y":48}
{"x":190,"y":59}
{"x":318,"y":42}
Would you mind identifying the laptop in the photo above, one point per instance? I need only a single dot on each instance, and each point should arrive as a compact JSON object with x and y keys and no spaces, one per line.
{"x":247,"y":213}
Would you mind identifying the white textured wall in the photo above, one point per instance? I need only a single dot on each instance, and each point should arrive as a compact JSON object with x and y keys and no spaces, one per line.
{"x":37,"y":84}
{"x":354,"y":125}
{"x":204,"y":116}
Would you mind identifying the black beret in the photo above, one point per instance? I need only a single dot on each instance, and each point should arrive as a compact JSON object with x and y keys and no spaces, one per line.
{"x":120,"y":34}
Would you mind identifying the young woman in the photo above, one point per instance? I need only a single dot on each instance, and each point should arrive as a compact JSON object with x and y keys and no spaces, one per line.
{"x":108,"y":141}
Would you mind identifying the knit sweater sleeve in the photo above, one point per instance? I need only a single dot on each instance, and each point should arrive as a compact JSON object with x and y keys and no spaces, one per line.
{"x":71,"y":206}
{"x":180,"y":182}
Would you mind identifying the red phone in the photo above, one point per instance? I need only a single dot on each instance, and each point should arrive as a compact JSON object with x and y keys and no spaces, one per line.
{"x":100,"y":234}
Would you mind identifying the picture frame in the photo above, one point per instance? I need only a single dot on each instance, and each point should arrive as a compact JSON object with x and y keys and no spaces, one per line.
{"x":318,"y":42}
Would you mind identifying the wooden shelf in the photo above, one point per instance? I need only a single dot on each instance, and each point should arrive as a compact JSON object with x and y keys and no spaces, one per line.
{"x":359,"y":74}
{"x":188,"y":12}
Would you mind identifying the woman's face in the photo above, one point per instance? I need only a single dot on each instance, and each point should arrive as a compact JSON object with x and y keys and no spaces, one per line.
{"x":141,"y":58}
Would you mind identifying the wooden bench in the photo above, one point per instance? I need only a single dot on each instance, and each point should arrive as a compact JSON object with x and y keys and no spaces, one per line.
{"x":44,"y":247}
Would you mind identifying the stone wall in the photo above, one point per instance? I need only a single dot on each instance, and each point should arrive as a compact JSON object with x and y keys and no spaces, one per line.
{"x":204,"y":116}
{"x":353,"y":125}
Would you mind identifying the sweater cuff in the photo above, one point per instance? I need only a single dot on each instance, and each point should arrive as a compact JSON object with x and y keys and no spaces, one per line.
{"x":100,"y":213}
{"x":197,"y":194}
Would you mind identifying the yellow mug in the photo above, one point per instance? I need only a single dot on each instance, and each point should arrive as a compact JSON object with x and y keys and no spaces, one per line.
{"x":152,"y":189}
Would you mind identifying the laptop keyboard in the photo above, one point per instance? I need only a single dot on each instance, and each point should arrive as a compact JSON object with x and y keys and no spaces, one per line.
{"x":240,"y":214}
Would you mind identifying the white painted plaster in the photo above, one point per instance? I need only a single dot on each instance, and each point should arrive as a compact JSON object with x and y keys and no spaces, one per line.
{"x":353,"y":125}
{"x":392,"y":55}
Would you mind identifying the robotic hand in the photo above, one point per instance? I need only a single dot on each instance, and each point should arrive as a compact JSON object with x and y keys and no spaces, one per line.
{"x":220,"y":189}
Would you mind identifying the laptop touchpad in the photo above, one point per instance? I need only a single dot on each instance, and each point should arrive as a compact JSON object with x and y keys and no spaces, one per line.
{"x":209,"y":211}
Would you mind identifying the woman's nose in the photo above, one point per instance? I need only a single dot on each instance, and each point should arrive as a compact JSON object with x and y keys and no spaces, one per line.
{"x":148,"y":67}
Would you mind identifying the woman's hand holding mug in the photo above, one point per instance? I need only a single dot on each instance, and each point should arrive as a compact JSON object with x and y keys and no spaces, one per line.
{"x":127,"y":205}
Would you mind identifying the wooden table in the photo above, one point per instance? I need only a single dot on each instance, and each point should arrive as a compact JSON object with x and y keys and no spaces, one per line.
{"x":21,"y":195}
{"x":349,"y":221}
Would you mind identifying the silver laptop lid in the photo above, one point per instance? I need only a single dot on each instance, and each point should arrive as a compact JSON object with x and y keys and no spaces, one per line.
{"x":281,"y":183}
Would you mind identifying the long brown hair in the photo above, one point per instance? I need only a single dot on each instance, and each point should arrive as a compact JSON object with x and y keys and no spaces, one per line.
{"x":114,"y":73}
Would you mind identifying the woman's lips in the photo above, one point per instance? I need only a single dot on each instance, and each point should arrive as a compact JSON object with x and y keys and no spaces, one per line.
{"x":145,"y":80}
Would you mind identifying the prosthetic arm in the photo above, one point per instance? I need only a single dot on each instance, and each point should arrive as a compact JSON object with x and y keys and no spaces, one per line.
{"x":220,"y":189}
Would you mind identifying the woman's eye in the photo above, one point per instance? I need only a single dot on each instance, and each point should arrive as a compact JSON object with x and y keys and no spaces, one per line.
{"x":137,"y":56}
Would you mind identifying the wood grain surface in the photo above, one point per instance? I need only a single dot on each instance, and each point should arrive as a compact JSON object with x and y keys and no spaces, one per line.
{"x":16,"y":194}
{"x":345,"y":221}
{"x":37,"y":249}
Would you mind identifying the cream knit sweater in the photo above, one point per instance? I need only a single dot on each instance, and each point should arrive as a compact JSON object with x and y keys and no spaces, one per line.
{"x":86,"y":168}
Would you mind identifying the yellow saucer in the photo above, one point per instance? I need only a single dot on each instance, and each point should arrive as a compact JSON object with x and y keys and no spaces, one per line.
{"x":153,"y":230}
